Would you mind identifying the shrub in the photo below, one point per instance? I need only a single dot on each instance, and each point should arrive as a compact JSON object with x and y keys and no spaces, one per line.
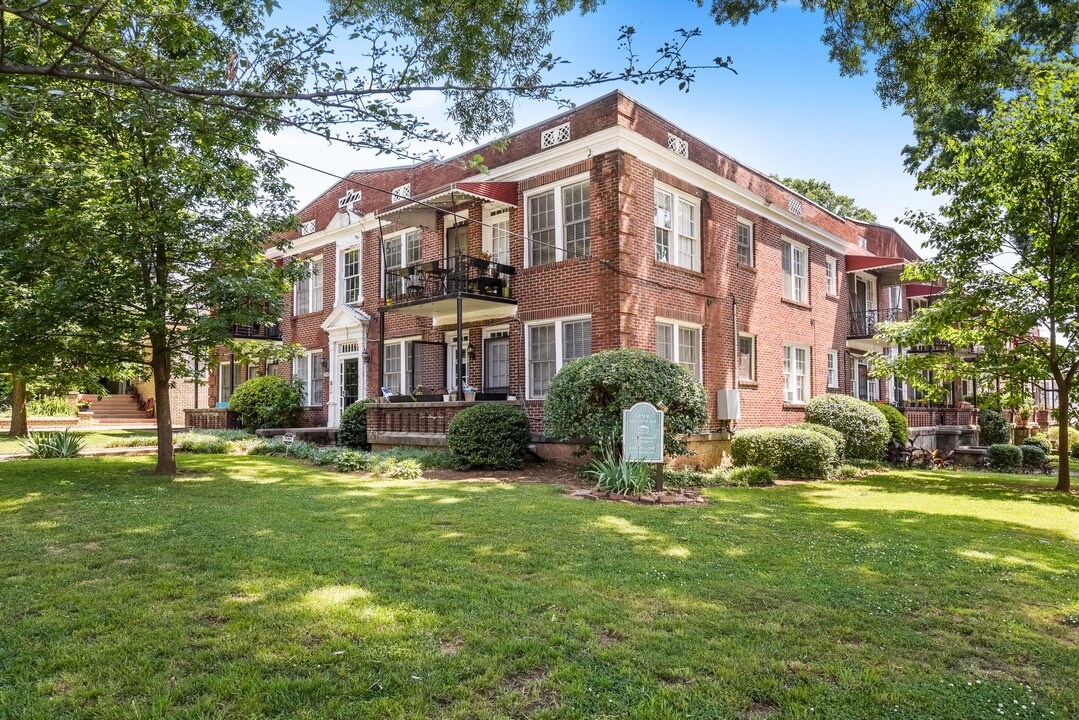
{"x":390,"y":467}
{"x":1005,"y":458}
{"x":685,"y":477}
{"x":586,"y":398}
{"x":132,"y":441}
{"x":352,"y":432}
{"x":613,"y":474}
{"x":1033,"y":456}
{"x":1040,"y":441}
{"x":426,"y":457}
{"x":49,"y":406}
{"x":834,"y":435}
{"x":1053,"y":434}
{"x":266,"y":402}
{"x":54,"y":444}
{"x":201,"y":443}
{"x":751,"y":476}
{"x":789,"y":452}
{"x":862,"y":424}
{"x":349,"y":460}
{"x":897,"y":423}
{"x":993,"y":429}
{"x":490,"y":435}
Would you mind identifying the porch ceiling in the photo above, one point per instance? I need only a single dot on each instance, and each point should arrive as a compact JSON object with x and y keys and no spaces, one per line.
{"x":443,"y":310}
{"x":424,"y":211}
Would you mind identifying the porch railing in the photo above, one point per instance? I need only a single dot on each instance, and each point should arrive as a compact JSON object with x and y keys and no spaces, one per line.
{"x":865,"y":324}
{"x":923,"y":416}
{"x":256,"y":332}
{"x":447,"y":276}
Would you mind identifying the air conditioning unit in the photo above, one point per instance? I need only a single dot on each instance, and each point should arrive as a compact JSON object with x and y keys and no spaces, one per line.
{"x":728,"y":405}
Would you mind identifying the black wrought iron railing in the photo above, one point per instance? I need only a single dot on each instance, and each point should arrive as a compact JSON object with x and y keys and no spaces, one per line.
{"x":256,"y":332}
{"x":865,"y":324}
{"x":447,"y":276}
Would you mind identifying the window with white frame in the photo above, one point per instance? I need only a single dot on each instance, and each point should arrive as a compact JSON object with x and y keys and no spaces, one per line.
{"x":401,"y":250}
{"x":398,"y":367}
{"x":496,"y":234}
{"x":795,"y":374}
{"x":833,"y":368}
{"x":745,"y":243}
{"x":351,"y":289}
{"x":307,"y":293}
{"x":795,"y":261}
{"x":747,"y":358}
{"x":677,"y":229}
{"x":559,"y":223}
{"x":308,"y":369}
{"x":681,"y":344}
{"x":830,"y":275}
{"x":226,"y":380}
{"x":553,"y":344}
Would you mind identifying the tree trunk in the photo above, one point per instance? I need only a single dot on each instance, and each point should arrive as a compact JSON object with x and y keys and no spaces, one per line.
{"x":1064,"y":477}
{"x":18,"y":406}
{"x":161,"y":364}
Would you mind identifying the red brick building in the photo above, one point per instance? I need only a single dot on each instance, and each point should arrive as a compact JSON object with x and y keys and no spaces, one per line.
{"x":608,"y":227}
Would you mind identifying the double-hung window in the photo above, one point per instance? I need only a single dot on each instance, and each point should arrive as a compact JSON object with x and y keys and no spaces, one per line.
{"x":831,"y":276}
{"x":401,"y":251}
{"x":308,"y":369}
{"x":559,"y":224}
{"x":745,"y":243}
{"x":795,"y":263}
{"x":833,"y":368}
{"x":747,"y":358}
{"x":681,"y":344}
{"x":553,"y":344}
{"x":398,"y":367}
{"x":677,"y":223}
{"x":795,"y":374}
{"x":351,"y":290}
{"x":307,"y":293}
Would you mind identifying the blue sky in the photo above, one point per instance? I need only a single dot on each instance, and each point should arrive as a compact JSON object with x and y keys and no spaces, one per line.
{"x":786,"y":111}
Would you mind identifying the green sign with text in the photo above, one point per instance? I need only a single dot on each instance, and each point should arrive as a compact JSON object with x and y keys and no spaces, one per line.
{"x":642,"y":434}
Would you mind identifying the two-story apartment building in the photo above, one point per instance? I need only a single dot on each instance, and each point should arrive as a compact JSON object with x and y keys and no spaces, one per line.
{"x":603,"y":227}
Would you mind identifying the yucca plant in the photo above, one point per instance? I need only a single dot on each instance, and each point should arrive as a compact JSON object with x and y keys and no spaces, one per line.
{"x":614,"y":474}
{"x":53,"y":444}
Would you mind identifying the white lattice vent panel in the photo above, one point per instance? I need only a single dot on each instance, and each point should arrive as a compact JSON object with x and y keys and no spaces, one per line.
{"x":554,"y":136}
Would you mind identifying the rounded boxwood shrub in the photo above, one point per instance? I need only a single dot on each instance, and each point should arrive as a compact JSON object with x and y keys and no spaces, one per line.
{"x":1005,"y":458}
{"x":490,"y":435}
{"x":1033,"y":456}
{"x":266,"y":402}
{"x":1053,"y":434}
{"x":1039,"y":441}
{"x":862,"y":424}
{"x":586,"y":398}
{"x":352,"y":431}
{"x":897,"y":422}
{"x":789,"y":452}
{"x":834,"y":435}
{"x":993,"y":429}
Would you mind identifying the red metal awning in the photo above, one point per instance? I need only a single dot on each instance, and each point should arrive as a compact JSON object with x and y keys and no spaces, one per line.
{"x":424,"y":210}
{"x":856,"y":263}
{"x":921,"y":290}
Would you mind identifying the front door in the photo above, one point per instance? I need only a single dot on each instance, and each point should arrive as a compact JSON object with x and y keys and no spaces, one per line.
{"x":496,"y":364}
{"x":350,"y":381}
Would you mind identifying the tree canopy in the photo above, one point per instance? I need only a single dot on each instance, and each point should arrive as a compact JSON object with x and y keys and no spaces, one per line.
{"x":821,"y":192}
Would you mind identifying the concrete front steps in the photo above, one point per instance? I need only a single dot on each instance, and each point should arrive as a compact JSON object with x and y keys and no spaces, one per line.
{"x":122,"y":410}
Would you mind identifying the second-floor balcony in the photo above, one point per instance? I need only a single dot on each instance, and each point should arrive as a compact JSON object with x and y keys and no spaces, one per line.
{"x":473,"y":287}
{"x":256,"y":332}
{"x":865,"y":324}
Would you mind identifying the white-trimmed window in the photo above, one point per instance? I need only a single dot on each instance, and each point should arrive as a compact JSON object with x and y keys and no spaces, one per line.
{"x":680,"y":343}
{"x":795,"y":262}
{"x":398,"y":367}
{"x":745,"y":243}
{"x":226,"y":383}
{"x":307,"y":293}
{"x":496,"y":234}
{"x":551,"y":345}
{"x":309,"y":369}
{"x":833,"y":368}
{"x":677,"y":222}
{"x":831,"y":275}
{"x":795,"y":374}
{"x":351,"y":282}
{"x":559,"y":223}
{"x":747,"y":358}
{"x":401,"y":250}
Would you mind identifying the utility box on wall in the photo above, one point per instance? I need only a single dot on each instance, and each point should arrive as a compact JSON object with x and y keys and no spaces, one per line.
{"x":728,"y":405}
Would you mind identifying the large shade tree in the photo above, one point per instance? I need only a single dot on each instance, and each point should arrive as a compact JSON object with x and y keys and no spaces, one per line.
{"x":1007,"y":248}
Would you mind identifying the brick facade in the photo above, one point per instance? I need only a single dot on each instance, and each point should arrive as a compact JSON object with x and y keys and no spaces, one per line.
{"x":622,"y":149}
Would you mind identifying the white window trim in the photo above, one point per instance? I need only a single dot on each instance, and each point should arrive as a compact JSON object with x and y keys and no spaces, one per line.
{"x":309,"y":361}
{"x":311,"y":297}
{"x":833,"y":357}
{"x":752,"y":242}
{"x":808,"y":376}
{"x":805,"y":278}
{"x":831,"y":284}
{"x":752,"y":359}
{"x":559,"y":361}
{"x":870,"y":292}
{"x":677,"y":195}
{"x":559,"y":217}
{"x":683,"y":325}
{"x":491,"y":217}
{"x":341,"y":272}
{"x":400,"y":234}
{"x":401,"y":344}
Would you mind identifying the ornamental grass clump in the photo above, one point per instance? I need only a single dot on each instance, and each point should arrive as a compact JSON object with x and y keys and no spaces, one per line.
{"x":615,"y":474}
{"x":53,"y":444}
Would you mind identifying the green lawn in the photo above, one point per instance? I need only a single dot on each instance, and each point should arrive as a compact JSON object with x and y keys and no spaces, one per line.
{"x":258,"y":588}
{"x":92,"y":438}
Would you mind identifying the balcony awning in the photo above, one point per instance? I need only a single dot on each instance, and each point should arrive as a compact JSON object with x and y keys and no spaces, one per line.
{"x":917,"y":290}
{"x":857,"y":263}
{"x":423,"y":211}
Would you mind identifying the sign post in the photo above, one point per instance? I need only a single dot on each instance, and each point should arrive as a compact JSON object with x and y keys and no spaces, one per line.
{"x":642,"y":437}
{"x":288,"y":439}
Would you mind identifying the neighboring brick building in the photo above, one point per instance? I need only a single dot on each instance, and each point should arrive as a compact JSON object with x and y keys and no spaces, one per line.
{"x":621,"y":230}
